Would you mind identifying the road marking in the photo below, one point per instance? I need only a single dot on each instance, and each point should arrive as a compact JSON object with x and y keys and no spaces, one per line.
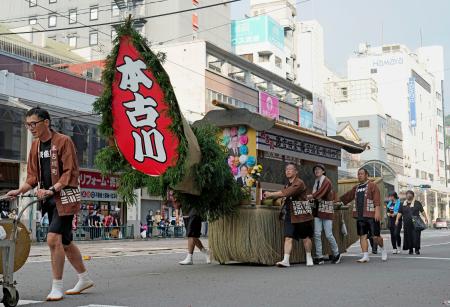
{"x":94,"y":305}
{"x":28,"y":302}
{"x":114,"y":256}
{"x":437,"y":244}
{"x":401,"y":257}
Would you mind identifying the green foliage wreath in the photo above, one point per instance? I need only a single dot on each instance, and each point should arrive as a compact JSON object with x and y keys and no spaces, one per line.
{"x":219,"y":192}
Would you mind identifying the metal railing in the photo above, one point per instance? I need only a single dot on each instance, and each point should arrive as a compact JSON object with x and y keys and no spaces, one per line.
{"x":164,"y":232}
{"x":88,"y":233}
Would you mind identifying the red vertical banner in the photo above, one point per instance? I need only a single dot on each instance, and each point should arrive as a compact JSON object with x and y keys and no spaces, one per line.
{"x":140,"y":118}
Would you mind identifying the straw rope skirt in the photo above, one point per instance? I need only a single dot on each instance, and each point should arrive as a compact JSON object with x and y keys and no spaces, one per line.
{"x":255,"y":235}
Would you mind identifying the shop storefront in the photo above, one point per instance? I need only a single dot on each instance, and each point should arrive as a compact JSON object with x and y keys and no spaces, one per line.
{"x":99,"y":197}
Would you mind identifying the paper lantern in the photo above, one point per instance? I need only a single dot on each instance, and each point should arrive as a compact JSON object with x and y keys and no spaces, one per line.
{"x":243,"y":149}
{"x":243,"y":139}
{"x":242,"y":130}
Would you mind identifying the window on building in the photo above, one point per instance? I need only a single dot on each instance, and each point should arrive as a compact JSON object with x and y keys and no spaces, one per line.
{"x":73,"y":41}
{"x":115,"y":11}
{"x":248,"y":57}
{"x":423,"y":175}
{"x":93,"y":38}
{"x":440,"y":129}
{"x":441,"y":163}
{"x":439,"y":112}
{"x":13,"y":135}
{"x":72,"y":16}
{"x":431,"y":176}
{"x":363,"y":123}
{"x":51,"y":1}
{"x":417,"y":173}
{"x":32,"y":21}
{"x":264,"y":58}
{"x":32,"y":3}
{"x":277,"y":62}
{"x":441,"y":145}
{"x":373,"y":71}
{"x":52,"y":21}
{"x":94,"y":13}
{"x":344,"y":92}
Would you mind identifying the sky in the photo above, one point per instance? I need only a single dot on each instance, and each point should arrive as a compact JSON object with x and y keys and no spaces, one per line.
{"x":346,"y":23}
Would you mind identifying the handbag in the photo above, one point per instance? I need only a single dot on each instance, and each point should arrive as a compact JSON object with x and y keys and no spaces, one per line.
{"x":418,"y":223}
{"x":299,"y":210}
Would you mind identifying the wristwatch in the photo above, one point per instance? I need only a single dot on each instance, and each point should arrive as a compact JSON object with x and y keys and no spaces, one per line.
{"x":52,"y":188}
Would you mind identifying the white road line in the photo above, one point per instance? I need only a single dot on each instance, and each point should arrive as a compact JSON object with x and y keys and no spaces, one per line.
{"x":28,"y":302}
{"x":437,"y":244}
{"x":94,"y":305}
{"x":114,"y":256}
{"x":400,"y":257}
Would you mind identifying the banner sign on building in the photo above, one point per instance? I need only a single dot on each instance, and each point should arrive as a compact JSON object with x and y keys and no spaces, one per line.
{"x":98,"y":195}
{"x":269,"y":105}
{"x":94,"y":180}
{"x":305,"y":119}
{"x":319,"y":113}
{"x":412,"y":102}
{"x":257,"y":30}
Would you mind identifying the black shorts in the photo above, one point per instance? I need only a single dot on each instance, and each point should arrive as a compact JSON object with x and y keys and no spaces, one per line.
{"x":368,"y":226}
{"x":59,"y":224}
{"x":193,"y":226}
{"x":298,"y":231}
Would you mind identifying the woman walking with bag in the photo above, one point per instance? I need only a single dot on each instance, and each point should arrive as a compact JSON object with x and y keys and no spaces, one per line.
{"x":410,"y":210}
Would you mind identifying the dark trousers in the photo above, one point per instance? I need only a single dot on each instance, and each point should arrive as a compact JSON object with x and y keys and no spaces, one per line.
{"x":411,"y":237}
{"x":396,"y":239}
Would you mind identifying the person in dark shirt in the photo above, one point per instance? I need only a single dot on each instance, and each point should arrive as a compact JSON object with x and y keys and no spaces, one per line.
{"x":408,"y":210}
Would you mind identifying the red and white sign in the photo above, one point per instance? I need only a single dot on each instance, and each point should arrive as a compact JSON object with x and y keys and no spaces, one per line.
{"x":269,"y":105}
{"x":140,"y":114}
{"x":98,"y":195}
{"x":94,"y":180}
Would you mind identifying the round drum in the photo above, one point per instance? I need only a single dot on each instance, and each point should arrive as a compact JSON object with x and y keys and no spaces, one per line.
{"x":23,"y":245}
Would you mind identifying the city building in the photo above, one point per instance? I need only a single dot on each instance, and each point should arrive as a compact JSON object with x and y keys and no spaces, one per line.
{"x":93,"y":41}
{"x":409,"y":89}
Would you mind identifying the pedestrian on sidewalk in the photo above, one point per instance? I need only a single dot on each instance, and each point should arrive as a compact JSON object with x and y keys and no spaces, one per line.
{"x":367,"y":212}
{"x":410,"y":209}
{"x":193,"y":224}
{"x":53,"y":169}
{"x":392,"y":208}
{"x":323,"y":197}
{"x":298,"y":223}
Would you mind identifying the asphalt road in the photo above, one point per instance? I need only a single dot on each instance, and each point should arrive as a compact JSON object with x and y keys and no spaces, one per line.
{"x":145,"y":273}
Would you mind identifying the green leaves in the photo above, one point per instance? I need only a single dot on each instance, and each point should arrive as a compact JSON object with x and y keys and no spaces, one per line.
{"x":220,"y":194}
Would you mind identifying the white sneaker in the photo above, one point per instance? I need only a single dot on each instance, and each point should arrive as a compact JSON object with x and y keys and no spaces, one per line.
{"x":309,"y":261}
{"x":395,"y":251}
{"x":399,"y":251}
{"x":283,"y":264}
{"x":80,"y":286}
{"x":384,"y":255}
{"x":363,"y":260}
{"x":187,"y":261}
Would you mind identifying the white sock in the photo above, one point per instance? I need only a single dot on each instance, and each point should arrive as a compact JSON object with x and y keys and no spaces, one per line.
{"x":189,"y":256}
{"x":84,"y":276}
{"x":57,"y":290}
{"x":58,"y":285}
{"x":286,"y":258}
{"x":366,"y":255}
